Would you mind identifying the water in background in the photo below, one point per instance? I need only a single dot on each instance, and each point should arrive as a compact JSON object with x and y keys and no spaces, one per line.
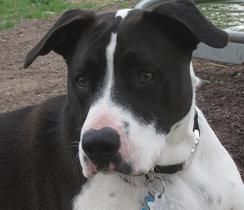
{"x":228,"y":14}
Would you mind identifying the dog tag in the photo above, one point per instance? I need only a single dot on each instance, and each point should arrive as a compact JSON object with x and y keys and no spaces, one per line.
{"x":148,"y":199}
{"x":159,"y":203}
{"x":156,"y":203}
{"x":155,"y":200}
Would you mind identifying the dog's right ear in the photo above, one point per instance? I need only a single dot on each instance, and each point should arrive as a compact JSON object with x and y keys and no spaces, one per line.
{"x":61,"y":37}
{"x":184,"y":23}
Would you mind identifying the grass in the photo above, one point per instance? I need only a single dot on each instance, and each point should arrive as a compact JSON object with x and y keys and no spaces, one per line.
{"x":12,"y":12}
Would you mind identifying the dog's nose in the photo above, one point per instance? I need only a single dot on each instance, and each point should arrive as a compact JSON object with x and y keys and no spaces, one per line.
{"x":101,"y":145}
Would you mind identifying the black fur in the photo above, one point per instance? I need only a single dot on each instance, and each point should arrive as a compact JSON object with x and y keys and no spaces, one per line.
{"x":39,"y":168}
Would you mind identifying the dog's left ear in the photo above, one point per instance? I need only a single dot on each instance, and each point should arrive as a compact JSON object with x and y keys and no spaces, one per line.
{"x":184,"y":23}
{"x":62,"y":36}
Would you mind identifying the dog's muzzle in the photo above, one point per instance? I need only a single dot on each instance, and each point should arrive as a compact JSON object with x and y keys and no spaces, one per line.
{"x":101,"y":146}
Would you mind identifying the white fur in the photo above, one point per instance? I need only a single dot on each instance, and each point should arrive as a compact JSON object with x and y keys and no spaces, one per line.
{"x":146,"y":4}
{"x":110,"y":67}
{"x":195,"y":80}
{"x":212,"y":182}
{"x":122,"y":13}
{"x":110,"y":192}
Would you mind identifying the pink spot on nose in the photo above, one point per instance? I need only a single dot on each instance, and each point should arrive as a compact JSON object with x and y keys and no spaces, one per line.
{"x":104,"y":120}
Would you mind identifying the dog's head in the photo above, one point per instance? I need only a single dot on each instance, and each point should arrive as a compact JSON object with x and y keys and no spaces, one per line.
{"x":129,"y":81}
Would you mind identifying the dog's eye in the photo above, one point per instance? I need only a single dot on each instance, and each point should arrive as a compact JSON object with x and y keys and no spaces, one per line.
{"x":146,"y":77}
{"x":82,"y":81}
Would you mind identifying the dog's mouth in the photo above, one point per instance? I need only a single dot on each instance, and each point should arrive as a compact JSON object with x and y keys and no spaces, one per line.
{"x":119,"y":166}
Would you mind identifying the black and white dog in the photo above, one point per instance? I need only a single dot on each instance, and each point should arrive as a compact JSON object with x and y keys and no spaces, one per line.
{"x":131,"y":108}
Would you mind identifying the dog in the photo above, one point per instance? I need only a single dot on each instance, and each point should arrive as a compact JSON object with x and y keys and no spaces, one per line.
{"x":130,"y":111}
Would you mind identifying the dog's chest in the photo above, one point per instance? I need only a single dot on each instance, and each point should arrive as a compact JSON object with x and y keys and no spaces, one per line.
{"x":109,"y":192}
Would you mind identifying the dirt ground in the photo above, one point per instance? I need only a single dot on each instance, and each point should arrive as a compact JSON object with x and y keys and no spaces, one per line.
{"x":221,"y":95}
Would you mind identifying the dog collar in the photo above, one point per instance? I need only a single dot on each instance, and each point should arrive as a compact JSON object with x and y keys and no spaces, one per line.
{"x":171,"y":169}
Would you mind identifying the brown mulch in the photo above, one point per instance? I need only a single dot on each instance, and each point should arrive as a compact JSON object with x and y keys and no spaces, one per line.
{"x":221,"y":96}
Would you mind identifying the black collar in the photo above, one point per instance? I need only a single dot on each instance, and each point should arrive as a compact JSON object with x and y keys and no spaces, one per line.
{"x":171,"y":169}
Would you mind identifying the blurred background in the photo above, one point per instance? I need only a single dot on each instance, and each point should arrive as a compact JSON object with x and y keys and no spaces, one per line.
{"x":228,"y":14}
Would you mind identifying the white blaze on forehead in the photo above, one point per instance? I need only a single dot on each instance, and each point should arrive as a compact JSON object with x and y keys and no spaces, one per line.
{"x":122,"y":13}
{"x":110,"y":51}
{"x":100,"y":114}
{"x":102,"y":107}
{"x":110,"y":66}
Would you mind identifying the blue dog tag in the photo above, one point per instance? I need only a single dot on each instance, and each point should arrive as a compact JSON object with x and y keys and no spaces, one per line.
{"x":148,"y":199}
{"x":156,"y":203}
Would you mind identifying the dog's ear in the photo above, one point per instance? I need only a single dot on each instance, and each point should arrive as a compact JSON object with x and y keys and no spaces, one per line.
{"x":61,"y":37}
{"x":184,"y":23}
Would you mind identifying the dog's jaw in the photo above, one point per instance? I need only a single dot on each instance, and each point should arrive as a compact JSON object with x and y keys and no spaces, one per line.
{"x":179,"y":141}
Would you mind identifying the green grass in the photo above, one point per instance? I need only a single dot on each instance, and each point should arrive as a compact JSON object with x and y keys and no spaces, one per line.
{"x":12,"y":12}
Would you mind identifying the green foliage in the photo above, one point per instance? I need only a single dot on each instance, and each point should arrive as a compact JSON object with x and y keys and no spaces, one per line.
{"x":13,"y":12}
{"x":41,"y":1}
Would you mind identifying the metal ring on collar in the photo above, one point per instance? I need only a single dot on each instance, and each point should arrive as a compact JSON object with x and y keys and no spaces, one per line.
{"x":150,"y":180}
